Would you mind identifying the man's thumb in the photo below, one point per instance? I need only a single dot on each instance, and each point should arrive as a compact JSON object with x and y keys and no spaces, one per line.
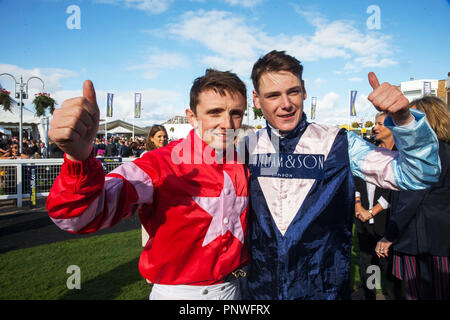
{"x":373,"y":80}
{"x":89,"y":92}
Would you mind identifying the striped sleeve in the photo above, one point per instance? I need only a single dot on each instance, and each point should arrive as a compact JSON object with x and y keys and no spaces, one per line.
{"x":415,"y":166}
{"x":82,"y":200}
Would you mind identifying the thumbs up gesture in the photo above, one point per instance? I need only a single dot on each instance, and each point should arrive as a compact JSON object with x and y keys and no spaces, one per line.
{"x":389,"y":98}
{"x":75,"y":125}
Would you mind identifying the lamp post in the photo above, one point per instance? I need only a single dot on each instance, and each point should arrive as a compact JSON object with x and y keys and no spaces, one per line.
{"x":21,"y":94}
{"x":45,"y":127}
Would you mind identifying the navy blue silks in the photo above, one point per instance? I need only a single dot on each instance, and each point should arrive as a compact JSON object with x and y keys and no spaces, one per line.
{"x":302,"y":201}
{"x":312,"y":259}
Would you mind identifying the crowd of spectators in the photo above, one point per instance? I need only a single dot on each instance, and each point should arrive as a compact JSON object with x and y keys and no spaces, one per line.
{"x":118,"y":146}
{"x":31,"y":149}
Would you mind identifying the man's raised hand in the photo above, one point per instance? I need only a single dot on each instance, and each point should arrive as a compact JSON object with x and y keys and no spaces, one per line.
{"x":389,"y":98}
{"x":75,"y":125}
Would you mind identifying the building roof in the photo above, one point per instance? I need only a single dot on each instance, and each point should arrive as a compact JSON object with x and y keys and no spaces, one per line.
{"x":120,"y":127}
{"x":177,"y":120}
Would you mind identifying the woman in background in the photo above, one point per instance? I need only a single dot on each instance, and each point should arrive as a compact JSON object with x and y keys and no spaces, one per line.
{"x":372,"y":210}
{"x":156,"y":138}
{"x":419,"y":224}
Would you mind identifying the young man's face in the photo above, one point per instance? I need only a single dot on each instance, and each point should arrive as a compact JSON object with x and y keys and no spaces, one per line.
{"x":215,"y":115}
{"x":280,"y":96}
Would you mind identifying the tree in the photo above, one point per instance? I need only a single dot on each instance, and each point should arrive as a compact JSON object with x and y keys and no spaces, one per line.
{"x":355,"y":125}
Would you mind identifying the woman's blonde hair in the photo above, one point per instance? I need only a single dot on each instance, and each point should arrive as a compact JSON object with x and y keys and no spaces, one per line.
{"x":438,"y":115}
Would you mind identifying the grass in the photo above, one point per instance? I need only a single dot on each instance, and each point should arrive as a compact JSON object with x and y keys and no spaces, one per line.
{"x":108,"y":265}
{"x":355,"y":280}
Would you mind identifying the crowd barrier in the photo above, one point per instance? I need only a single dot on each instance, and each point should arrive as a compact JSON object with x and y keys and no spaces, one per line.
{"x":25,"y":178}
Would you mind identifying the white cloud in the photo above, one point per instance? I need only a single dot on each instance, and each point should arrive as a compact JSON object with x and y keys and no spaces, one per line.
{"x":319,"y":82}
{"x":328,"y":109}
{"x":160,"y":61}
{"x":157,"y":105}
{"x":355,"y":79}
{"x":334,"y":109}
{"x":52,"y":78}
{"x":364,"y":108}
{"x":149,"y":6}
{"x":238,"y":66}
{"x":342,"y":39}
{"x":219,"y":31}
{"x":329,"y":101}
{"x":244,"y":3}
{"x":235,"y":43}
{"x":371,"y":61}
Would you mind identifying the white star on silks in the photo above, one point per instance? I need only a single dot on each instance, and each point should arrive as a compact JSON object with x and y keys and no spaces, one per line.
{"x":226,"y":211}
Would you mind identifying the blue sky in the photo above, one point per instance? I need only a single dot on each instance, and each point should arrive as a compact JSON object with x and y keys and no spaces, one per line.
{"x":158,"y":47}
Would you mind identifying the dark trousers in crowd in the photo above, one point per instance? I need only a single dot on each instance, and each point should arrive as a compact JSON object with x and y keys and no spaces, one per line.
{"x":392,"y":287}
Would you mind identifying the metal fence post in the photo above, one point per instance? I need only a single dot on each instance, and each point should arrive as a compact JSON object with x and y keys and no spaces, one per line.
{"x":13,"y":176}
{"x":19,"y":185}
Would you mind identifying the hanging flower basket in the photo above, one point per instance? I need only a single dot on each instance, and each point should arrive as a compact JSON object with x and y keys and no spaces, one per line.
{"x":257,"y":113}
{"x":5,"y":100}
{"x":43,"y":101}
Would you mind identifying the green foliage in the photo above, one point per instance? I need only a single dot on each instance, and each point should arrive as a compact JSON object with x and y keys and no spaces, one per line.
{"x":355,"y":125}
{"x":368,"y":124}
{"x":257,"y":113}
{"x":42,"y":102}
{"x":5,"y":100}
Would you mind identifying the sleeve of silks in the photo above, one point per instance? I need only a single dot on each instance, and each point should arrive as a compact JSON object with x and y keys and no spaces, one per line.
{"x":83,"y":200}
{"x":415,"y":166}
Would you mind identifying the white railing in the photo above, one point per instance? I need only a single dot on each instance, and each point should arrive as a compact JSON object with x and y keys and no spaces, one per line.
{"x":15,"y":178}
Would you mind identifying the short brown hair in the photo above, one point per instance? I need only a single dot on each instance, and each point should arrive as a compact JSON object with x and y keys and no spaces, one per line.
{"x":438,"y":115}
{"x":218,"y":81}
{"x":275,"y":61}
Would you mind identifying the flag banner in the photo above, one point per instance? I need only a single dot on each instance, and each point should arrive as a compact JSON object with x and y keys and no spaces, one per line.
{"x":109,"y":105}
{"x":426,"y":88}
{"x":137,"y":105}
{"x":313,"y":107}
{"x":352,"y":103}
